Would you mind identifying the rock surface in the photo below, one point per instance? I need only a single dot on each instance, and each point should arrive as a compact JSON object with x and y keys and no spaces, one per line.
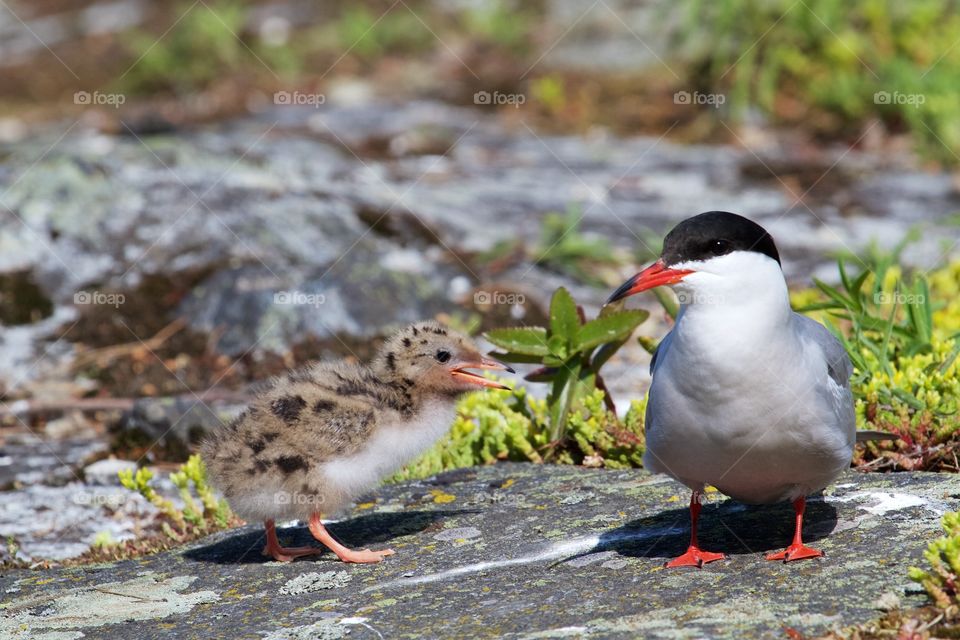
{"x":517,"y":551}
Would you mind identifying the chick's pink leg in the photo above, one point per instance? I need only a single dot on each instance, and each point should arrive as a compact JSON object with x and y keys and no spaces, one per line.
{"x":283,"y":554}
{"x":347,"y":555}
{"x":797,"y":550}
{"x":695,"y":556}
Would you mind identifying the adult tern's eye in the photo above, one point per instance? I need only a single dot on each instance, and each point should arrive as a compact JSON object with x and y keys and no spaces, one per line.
{"x":719,"y":247}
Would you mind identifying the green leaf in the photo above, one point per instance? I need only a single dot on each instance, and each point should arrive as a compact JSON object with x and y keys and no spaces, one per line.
{"x":553,"y":361}
{"x":604,"y":353}
{"x":562,"y":396}
{"x":834,"y":294}
{"x":543,"y":374}
{"x":909,"y":399}
{"x":564,"y":320}
{"x":516,"y":358}
{"x":531,"y":341}
{"x":667,"y":300}
{"x":611,"y":328}
{"x":557,"y":345}
{"x":649,"y":344}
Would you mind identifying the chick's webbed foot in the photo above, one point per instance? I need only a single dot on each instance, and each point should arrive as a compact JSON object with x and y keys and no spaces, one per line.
{"x":289,"y":554}
{"x":280,"y":553}
{"x":364,"y":556}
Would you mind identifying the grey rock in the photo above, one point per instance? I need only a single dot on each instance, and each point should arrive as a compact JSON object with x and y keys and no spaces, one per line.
{"x":29,"y":459}
{"x":104,"y":472}
{"x":57,"y":523}
{"x":176,"y":423}
{"x":539,"y":569}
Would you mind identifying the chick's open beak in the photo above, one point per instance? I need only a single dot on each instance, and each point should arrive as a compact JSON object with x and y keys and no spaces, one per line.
{"x":460,"y":372}
{"x":655,"y":275}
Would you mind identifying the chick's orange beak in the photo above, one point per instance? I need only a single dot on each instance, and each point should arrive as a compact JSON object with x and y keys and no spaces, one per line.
{"x":460,"y":373}
{"x":656,"y":275}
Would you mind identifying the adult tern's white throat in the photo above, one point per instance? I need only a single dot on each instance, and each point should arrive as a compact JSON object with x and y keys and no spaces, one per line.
{"x":747,"y":395}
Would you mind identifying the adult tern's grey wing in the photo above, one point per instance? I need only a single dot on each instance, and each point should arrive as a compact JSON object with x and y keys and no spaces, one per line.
{"x":838,"y":362}
{"x":661,"y":348}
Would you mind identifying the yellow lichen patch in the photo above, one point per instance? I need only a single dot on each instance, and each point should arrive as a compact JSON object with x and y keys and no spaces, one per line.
{"x":441,"y":497}
{"x":366,"y":505}
{"x":673,"y":499}
{"x":507,"y":483}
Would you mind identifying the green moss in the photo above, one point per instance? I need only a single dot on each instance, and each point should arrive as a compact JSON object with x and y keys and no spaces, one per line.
{"x":943,"y":556}
{"x":494,"y":425}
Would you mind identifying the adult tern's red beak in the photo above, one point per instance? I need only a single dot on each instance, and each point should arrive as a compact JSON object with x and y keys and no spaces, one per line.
{"x":655,"y":275}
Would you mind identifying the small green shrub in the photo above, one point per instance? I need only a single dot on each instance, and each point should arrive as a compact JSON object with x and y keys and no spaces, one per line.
{"x":508,"y":25}
{"x":564,"y":248}
{"x":195,"y":520}
{"x":571,"y":352}
{"x":371,"y":35}
{"x":575,"y":424}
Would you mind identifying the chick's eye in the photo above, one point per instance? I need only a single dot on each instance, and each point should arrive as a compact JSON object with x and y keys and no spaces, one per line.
{"x":443,"y":355}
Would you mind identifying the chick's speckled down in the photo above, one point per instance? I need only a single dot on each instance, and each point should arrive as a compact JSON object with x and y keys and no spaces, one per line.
{"x":314,"y":439}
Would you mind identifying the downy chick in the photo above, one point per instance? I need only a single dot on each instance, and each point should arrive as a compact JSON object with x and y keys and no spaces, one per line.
{"x":316,"y":438}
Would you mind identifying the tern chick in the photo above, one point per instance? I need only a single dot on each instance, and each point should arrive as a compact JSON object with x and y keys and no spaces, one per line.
{"x":316,"y":438}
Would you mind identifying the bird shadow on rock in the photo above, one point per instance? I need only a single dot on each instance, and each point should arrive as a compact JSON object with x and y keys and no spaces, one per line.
{"x":357,"y":533}
{"x":730,"y":527}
